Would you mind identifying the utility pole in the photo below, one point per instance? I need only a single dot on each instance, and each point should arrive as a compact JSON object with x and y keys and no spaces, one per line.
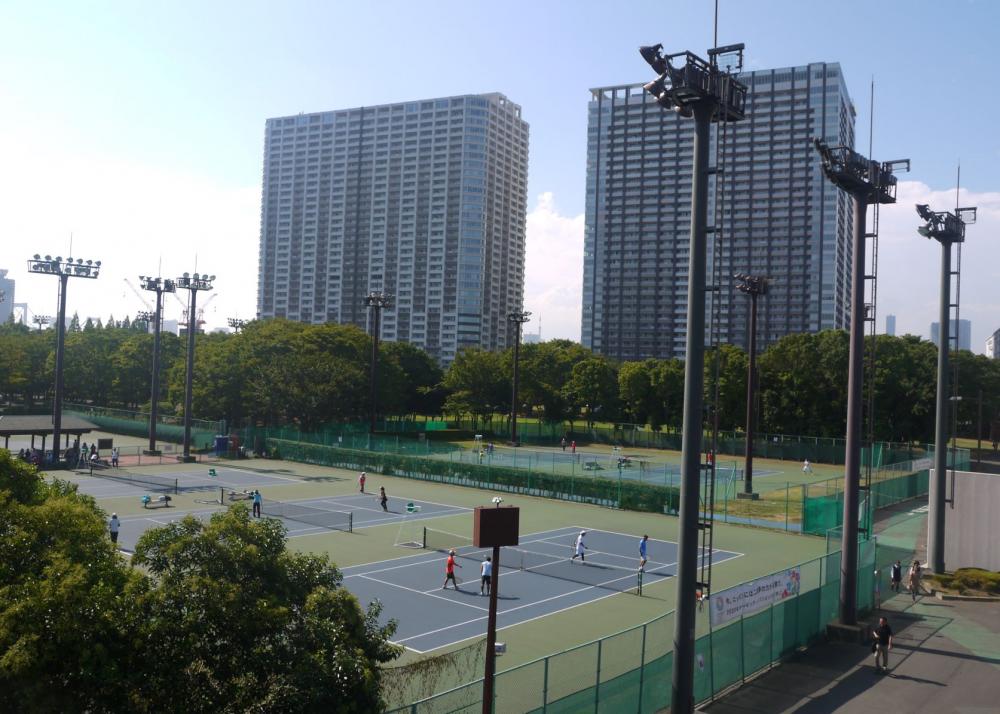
{"x":64,"y":270}
{"x":754,"y":287}
{"x":516,"y":319}
{"x":158,"y":286}
{"x":692,"y":87}
{"x":946,"y":228}
{"x":376,"y":302}
{"x":869,"y":183}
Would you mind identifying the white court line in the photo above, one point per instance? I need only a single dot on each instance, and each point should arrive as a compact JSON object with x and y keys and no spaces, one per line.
{"x":431,"y":557}
{"x":530,"y":604}
{"x":429,"y":593}
{"x":672,"y":542}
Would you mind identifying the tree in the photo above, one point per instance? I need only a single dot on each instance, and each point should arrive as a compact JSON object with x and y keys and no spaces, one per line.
{"x":74,"y":323}
{"x":593,"y":385}
{"x":236,"y":622}
{"x":545,"y":369}
{"x":62,"y":646}
{"x":478,"y":384}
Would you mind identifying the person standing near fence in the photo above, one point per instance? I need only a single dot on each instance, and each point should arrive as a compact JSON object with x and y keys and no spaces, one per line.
{"x":914,"y":580}
{"x":114,"y":457}
{"x":113,"y":527}
{"x":258,"y":501}
{"x":896,"y":576}
{"x":882,"y":636}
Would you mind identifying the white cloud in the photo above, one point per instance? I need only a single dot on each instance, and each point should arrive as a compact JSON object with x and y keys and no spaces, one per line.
{"x":910,"y":265}
{"x":554,"y":270}
{"x":129,"y":216}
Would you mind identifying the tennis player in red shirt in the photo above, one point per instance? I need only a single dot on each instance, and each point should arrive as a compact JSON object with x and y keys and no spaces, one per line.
{"x":449,"y":570}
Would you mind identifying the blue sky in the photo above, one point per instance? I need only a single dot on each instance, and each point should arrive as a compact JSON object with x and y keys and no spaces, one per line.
{"x":139,"y":127}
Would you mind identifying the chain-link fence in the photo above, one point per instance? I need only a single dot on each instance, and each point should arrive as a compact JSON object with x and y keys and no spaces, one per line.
{"x":132,"y":423}
{"x":631,"y":671}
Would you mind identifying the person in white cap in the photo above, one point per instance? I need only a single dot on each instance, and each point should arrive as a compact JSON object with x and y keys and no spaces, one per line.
{"x":580,"y":547}
{"x":361,"y":481}
{"x":113,"y":526}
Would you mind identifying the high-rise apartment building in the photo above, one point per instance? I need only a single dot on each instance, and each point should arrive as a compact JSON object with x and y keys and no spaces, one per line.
{"x":993,"y":345}
{"x":425,"y":200}
{"x":777,"y":217}
{"x":890,"y":325}
{"x":964,"y":334}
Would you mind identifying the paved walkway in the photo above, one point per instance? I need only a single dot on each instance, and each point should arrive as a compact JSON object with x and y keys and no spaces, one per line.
{"x":945,"y":658}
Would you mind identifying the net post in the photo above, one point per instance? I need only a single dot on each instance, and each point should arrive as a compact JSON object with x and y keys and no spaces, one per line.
{"x":177,"y":488}
{"x":424,"y":542}
{"x":350,"y":521}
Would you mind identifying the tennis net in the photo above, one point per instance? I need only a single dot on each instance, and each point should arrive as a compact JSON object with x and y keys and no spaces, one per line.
{"x":310,"y":515}
{"x":610,"y":571}
{"x":160,"y":483}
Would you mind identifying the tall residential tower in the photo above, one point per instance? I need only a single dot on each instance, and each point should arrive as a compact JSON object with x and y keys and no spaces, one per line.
{"x":778,"y":217}
{"x":426,"y":200}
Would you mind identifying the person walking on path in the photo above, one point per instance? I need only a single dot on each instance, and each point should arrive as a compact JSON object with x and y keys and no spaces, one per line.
{"x":882,"y":636}
{"x":580,"y":548}
{"x":114,"y":457}
{"x":807,"y":467}
{"x":487,"y":571}
{"x":563,"y":443}
{"x":449,"y":570}
{"x":258,"y":501}
{"x":914,"y":580}
{"x":361,"y":481}
{"x":384,"y":500}
{"x":642,"y":553}
{"x":113,"y":525}
{"x":896,"y":576}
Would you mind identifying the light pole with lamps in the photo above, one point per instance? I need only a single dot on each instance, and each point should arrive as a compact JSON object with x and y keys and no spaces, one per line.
{"x":517,"y":319}
{"x":191,"y":283}
{"x":754,"y":287}
{"x":947,"y":228}
{"x":64,"y":270}
{"x":158,"y":286}
{"x":376,"y":301}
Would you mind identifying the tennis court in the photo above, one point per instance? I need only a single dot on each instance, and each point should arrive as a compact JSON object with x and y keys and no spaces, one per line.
{"x":107,"y":482}
{"x":301,"y":517}
{"x":536,"y":579}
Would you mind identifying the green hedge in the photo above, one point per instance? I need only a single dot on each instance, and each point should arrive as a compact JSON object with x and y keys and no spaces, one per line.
{"x":626,"y":494}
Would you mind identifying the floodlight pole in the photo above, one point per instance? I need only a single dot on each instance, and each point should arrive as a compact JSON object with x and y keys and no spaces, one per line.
{"x":868,"y":182}
{"x":946,"y":228}
{"x":64,"y":270}
{"x":699,"y":89}
{"x":754,"y":287}
{"x":192,"y":284}
{"x":376,"y":301}
{"x":159,"y":286}
{"x":517,"y":319}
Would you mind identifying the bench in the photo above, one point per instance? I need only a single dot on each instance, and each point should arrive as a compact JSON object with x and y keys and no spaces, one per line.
{"x":158,"y":502}
{"x":592,"y":466}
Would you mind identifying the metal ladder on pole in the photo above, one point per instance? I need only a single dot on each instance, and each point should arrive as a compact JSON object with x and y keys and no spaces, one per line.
{"x":871,"y":349}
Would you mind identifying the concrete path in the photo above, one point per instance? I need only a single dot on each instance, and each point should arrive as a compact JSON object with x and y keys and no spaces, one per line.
{"x":945,"y":658}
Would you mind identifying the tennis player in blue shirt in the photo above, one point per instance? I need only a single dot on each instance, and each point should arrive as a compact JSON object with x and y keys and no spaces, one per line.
{"x":642,"y":552}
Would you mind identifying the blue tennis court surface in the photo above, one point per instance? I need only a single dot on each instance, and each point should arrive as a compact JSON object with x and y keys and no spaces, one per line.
{"x":536,"y":579}
{"x":365,"y":509}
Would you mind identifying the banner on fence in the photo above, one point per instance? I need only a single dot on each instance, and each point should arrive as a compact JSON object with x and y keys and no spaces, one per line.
{"x":921,"y":464}
{"x":753,"y":596}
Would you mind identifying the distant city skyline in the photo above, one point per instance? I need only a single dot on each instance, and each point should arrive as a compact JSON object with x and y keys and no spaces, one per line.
{"x":964,"y":331}
{"x":139,"y":139}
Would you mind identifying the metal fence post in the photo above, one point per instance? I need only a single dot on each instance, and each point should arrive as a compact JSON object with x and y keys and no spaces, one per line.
{"x":788,"y":495}
{"x":545,"y":687}
{"x":597,"y":683}
{"x":642,"y":668}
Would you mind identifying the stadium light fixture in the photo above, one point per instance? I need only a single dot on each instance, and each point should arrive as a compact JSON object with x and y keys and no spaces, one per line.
{"x":193,"y":284}
{"x":64,"y":270}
